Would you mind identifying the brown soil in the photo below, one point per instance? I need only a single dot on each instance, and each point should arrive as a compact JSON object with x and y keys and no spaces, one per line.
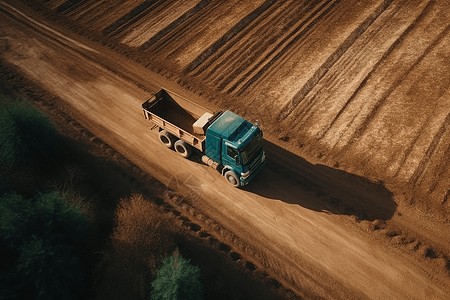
{"x":352,"y":96}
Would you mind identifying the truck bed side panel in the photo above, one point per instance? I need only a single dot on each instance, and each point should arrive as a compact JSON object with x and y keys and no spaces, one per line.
{"x":163,"y":111}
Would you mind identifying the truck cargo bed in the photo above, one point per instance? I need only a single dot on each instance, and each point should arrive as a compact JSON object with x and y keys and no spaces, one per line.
{"x":176,"y":115}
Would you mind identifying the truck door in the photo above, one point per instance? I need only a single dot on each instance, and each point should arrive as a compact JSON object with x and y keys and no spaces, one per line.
{"x":230,"y":156}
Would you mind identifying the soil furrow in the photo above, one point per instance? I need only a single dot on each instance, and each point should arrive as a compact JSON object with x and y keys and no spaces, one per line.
{"x":376,"y":107}
{"x":285,"y":22}
{"x":380,"y":61}
{"x":227,"y":62}
{"x":87,"y":9}
{"x":332,"y":59}
{"x":272,"y":58}
{"x":271,"y":27}
{"x":227,"y":36}
{"x":336,"y":90}
{"x":431,"y":149}
{"x":212,"y":65}
{"x":129,"y":18}
{"x":76,"y":8}
{"x":396,"y":61}
{"x":53,"y":4}
{"x":166,"y":30}
{"x":170,"y":42}
{"x":137,"y":27}
{"x":68,"y":5}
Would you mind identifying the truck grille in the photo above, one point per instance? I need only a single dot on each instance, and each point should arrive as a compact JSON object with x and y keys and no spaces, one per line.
{"x":256,"y":163}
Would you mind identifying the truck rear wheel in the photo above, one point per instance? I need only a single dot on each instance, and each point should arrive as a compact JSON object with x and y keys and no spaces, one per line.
{"x":183,"y":148}
{"x":232,"y":178}
{"x":167,"y":139}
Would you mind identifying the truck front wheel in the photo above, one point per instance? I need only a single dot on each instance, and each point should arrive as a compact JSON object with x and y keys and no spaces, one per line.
{"x":167,"y":139}
{"x":183,"y":148}
{"x":232,"y":178}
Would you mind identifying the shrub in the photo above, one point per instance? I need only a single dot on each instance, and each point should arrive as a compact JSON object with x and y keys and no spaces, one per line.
{"x":26,"y":135}
{"x":39,"y":239}
{"x":177,"y":280}
{"x":138,"y":245}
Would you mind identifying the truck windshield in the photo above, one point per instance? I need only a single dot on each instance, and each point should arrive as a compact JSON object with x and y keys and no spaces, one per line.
{"x":252,"y":149}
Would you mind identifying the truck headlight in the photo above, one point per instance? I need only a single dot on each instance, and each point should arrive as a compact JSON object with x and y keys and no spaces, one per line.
{"x":245,"y":175}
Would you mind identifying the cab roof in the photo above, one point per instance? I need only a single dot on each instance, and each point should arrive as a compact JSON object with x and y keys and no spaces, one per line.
{"x":229,"y":126}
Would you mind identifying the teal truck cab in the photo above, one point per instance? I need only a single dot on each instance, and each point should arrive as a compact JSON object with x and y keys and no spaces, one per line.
{"x":237,"y":145}
{"x":228,"y":143}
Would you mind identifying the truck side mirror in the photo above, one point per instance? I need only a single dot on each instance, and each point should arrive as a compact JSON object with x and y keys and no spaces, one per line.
{"x":236,"y":159}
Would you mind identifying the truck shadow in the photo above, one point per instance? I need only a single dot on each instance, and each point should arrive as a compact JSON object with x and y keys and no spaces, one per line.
{"x":291,"y":179}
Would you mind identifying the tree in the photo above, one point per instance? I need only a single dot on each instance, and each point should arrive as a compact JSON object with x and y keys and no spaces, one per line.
{"x":39,"y":240}
{"x":177,"y":280}
{"x":26,"y":135}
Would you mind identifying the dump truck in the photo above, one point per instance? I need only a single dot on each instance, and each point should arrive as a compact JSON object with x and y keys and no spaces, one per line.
{"x":227,"y":142}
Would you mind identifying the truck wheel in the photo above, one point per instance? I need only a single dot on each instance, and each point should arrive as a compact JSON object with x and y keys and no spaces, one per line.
{"x":167,"y":139}
{"x":232,"y":178}
{"x":183,"y":148}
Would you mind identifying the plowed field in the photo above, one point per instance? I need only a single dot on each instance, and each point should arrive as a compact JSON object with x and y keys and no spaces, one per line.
{"x":353,"y":97}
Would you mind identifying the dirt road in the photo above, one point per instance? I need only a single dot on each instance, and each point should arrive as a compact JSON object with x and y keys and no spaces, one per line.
{"x":320,"y":231}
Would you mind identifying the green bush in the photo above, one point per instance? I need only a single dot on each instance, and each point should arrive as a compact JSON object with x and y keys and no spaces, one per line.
{"x":177,"y":280}
{"x":39,"y":239}
{"x":26,"y":135}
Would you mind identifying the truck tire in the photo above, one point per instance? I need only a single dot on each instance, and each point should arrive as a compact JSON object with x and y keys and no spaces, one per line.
{"x":167,"y":139}
{"x":183,"y":148}
{"x":232,"y":178}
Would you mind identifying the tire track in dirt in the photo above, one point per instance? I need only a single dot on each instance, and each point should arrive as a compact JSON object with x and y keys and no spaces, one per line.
{"x":294,"y":272}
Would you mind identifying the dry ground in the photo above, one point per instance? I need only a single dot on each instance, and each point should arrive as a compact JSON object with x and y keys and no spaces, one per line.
{"x":355,"y":87}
